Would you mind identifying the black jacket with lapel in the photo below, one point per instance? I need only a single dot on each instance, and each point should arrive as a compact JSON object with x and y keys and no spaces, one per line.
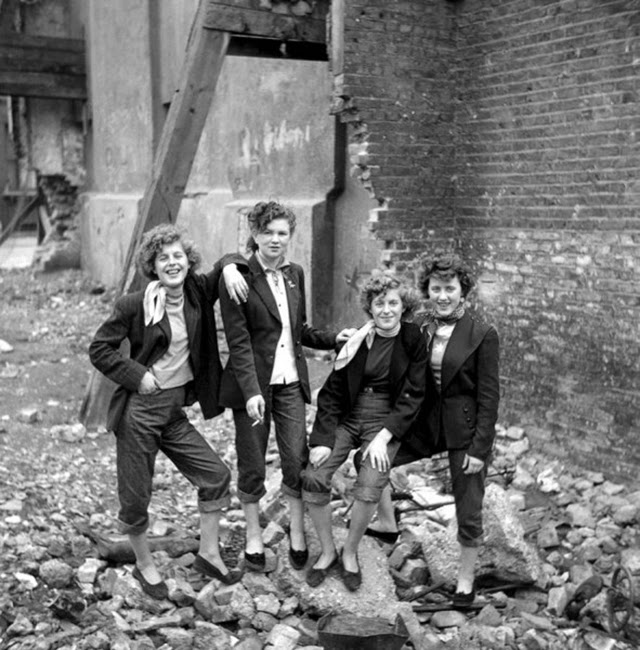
{"x":464,"y":412}
{"x":148,"y":343}
{"x":253,"y":330}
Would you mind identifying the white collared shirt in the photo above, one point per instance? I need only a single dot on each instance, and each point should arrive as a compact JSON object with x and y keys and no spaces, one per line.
{"x":285,"y":370}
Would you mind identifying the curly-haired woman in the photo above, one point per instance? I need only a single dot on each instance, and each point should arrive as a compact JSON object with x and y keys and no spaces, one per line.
{"x":266,"y":377}
{"x":173,"y":361}
{"x":369,"y":401}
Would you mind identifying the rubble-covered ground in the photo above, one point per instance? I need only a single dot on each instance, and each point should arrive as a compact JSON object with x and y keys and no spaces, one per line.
{"x":562,"y":562}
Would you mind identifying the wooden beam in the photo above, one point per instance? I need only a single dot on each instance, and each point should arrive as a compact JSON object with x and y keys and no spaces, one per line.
{"x":52,"y":86}
{"x":180,"y":135}
{"x":42,"y":66}
{"x":251,"y":18}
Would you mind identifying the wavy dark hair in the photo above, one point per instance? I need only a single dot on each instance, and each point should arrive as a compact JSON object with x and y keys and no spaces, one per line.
{"x":262,"y":214}
{"x":444,"y":266}
{"x":382,"y":281}
{"x":152,"y":243}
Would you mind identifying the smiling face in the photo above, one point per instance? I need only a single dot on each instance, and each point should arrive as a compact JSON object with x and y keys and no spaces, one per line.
{"x":273,"y":240}
{"x":171,"y":266}
{"x":446,"y":294}
{"x":386,"y":309}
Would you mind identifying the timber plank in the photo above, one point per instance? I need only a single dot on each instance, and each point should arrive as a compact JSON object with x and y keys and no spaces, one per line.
{"x":42,"y":66}
{"x":35,"y":60}
{"x":317,"y":9}
{"x":46,"y":85}
{"x":48,"y":43}
{"x":265,"y":24}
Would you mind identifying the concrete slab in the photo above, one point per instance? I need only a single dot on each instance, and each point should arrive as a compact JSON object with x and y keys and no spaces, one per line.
{"x":18,"y":251}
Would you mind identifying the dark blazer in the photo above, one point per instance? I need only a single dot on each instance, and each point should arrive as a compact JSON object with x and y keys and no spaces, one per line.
{"x":464,"y":412}
{"x":253,"y":330}
{"x":148,"y":344}
{"x":407,"y":376}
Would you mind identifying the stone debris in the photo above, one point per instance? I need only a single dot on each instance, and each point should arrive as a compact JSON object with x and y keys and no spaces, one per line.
{"x":552,"y":543}
{"x":5,"y":346}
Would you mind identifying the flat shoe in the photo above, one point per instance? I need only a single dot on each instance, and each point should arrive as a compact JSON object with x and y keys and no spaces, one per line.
{"x":158,"y":590}
{"x":463,"y":601}
{"x":201,"y":565}
{"x":255,"y":561}
{"x":387,"y":537}
{"x":315,"y":577}
{"x":351,"y":580}
{"x":298,"y":558}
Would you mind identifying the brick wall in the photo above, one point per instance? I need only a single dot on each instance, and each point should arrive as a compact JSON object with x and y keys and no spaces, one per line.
{"x":512,"y":127}
{"x":395,"y":91}
{"x":546,"y":205}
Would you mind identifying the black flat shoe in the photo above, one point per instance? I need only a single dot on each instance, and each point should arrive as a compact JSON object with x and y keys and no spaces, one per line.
{"x":158,"y":590}
{"x":255,"y":561}
{"x":315,"y":577}
{"x":387,"y":537}
{"x":298,"y":559}
{"x":463,"y":601}
{"x":351,"y":580}
{"x":201,"y":565}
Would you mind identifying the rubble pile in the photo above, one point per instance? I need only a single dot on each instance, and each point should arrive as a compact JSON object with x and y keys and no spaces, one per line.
{"x":560,"y":569}
{"x":553,"y":542}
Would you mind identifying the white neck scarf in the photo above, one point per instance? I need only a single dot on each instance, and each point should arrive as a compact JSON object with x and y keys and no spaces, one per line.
{"x":154,"y":301}
{"x":366,"y":333}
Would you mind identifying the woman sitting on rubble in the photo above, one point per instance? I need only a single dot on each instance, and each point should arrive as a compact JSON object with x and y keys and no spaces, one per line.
{"x":369,"y":401}
{"x":460,"y":409}
{"x":173,"y":361}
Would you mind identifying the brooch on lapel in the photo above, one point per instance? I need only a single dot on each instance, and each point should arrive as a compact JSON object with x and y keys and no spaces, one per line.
{"x":290,"y":283}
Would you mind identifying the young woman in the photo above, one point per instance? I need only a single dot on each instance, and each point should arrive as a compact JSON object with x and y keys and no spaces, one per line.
{"x":173,"y":361}
{"x":461,"y":406}
{"x":267,"y":377}
{"x":369,"y":401}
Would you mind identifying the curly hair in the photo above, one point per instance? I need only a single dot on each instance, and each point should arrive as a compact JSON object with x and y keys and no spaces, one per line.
{"x":444,"y":266}
{"x":381,"y":281}
{"x":152,"y":243}
{"x":263,"y":213}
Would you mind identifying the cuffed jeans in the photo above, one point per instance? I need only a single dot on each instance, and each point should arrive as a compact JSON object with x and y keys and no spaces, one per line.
{"x":358,"y":430}
{"x":468,"y":494}
{"x":285,"y":404}
{"x":153,"y":423}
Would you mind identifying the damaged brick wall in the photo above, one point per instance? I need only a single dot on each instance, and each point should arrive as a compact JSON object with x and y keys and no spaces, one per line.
{"x":546,"y":206}
{"x":395,"y":90}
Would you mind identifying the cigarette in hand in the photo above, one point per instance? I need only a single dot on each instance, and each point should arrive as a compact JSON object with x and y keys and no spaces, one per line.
{"x":256,"y":422}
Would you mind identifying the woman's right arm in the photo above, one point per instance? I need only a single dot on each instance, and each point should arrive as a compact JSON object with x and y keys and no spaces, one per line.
{"x":104,"y":350}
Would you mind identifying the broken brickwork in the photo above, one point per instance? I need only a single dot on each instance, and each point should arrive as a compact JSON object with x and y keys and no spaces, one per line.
{"x":509,"y":129}
{"x":395,"y":91}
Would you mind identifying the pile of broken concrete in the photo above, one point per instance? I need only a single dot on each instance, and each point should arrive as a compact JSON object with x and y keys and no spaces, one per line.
{"x":545,"y":574}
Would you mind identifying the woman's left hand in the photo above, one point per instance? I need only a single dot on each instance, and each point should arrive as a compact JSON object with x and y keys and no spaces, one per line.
{"x":235,"y":283}
{"x":345,"y":334}
{"x":377,"y":450}
{"x":471,"y":465}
